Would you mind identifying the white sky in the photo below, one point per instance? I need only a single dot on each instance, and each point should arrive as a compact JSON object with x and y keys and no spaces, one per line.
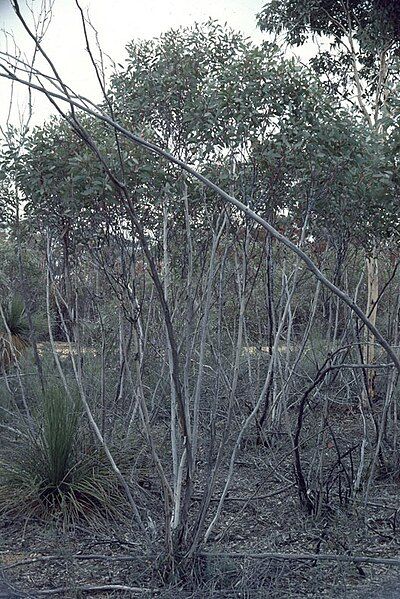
{"x":118,"y":22}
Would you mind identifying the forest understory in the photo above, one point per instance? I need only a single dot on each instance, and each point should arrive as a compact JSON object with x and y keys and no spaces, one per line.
{"x":261,"y":515}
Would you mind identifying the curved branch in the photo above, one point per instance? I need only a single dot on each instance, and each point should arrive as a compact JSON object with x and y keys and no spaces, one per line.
{"x":153,"y":148}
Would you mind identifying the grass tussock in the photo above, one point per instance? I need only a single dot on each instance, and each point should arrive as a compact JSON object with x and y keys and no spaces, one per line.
{"x":53,"y":474}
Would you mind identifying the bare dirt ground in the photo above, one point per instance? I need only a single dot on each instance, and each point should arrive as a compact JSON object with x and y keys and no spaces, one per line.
{"x":261,"y":514}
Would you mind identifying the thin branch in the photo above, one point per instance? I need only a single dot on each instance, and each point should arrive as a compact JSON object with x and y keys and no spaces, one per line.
{"x":363,"y":559}
{"x":228,"y":198}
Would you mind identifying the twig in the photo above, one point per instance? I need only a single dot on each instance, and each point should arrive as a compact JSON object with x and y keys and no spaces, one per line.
{"x":96,"y":588}
{"x":252,"y":497}
{"x":308,"y":556}
{"x":81,"y":557}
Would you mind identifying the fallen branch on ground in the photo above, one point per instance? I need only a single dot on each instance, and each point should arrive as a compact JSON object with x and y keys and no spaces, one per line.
{"x":390,"y":561}
{"x":81,"y":557}
{"x":96,"y":588}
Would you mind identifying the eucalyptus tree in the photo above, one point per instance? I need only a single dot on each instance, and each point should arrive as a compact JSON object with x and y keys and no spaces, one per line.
{"x":237,"y":129}
{"x":357,"y":55}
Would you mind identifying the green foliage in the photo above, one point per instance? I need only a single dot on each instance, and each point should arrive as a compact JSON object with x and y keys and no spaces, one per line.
{"x":15,"y":319}
{"x":61,"y":186}
{"x":360,"y":48}
{"x":52,"y":474}
{"x":175,"y":73}
{"x":376,"y":22}
{"x":60,"y":418}
{"x":14,"y":332}
{"x":258,"y":124}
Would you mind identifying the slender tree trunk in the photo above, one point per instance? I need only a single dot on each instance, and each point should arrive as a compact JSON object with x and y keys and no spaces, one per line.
{"x":371,"y":311}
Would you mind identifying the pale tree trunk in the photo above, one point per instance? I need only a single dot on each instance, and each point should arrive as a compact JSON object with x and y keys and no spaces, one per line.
{"x":373,"y":120}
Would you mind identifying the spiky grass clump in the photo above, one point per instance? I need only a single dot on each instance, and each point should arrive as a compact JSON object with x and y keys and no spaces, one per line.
{"x":52,"y":475}
{"x":14,"y":332}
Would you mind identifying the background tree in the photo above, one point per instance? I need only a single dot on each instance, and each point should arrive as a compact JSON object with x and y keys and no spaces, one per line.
{"x":361,"y":68}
